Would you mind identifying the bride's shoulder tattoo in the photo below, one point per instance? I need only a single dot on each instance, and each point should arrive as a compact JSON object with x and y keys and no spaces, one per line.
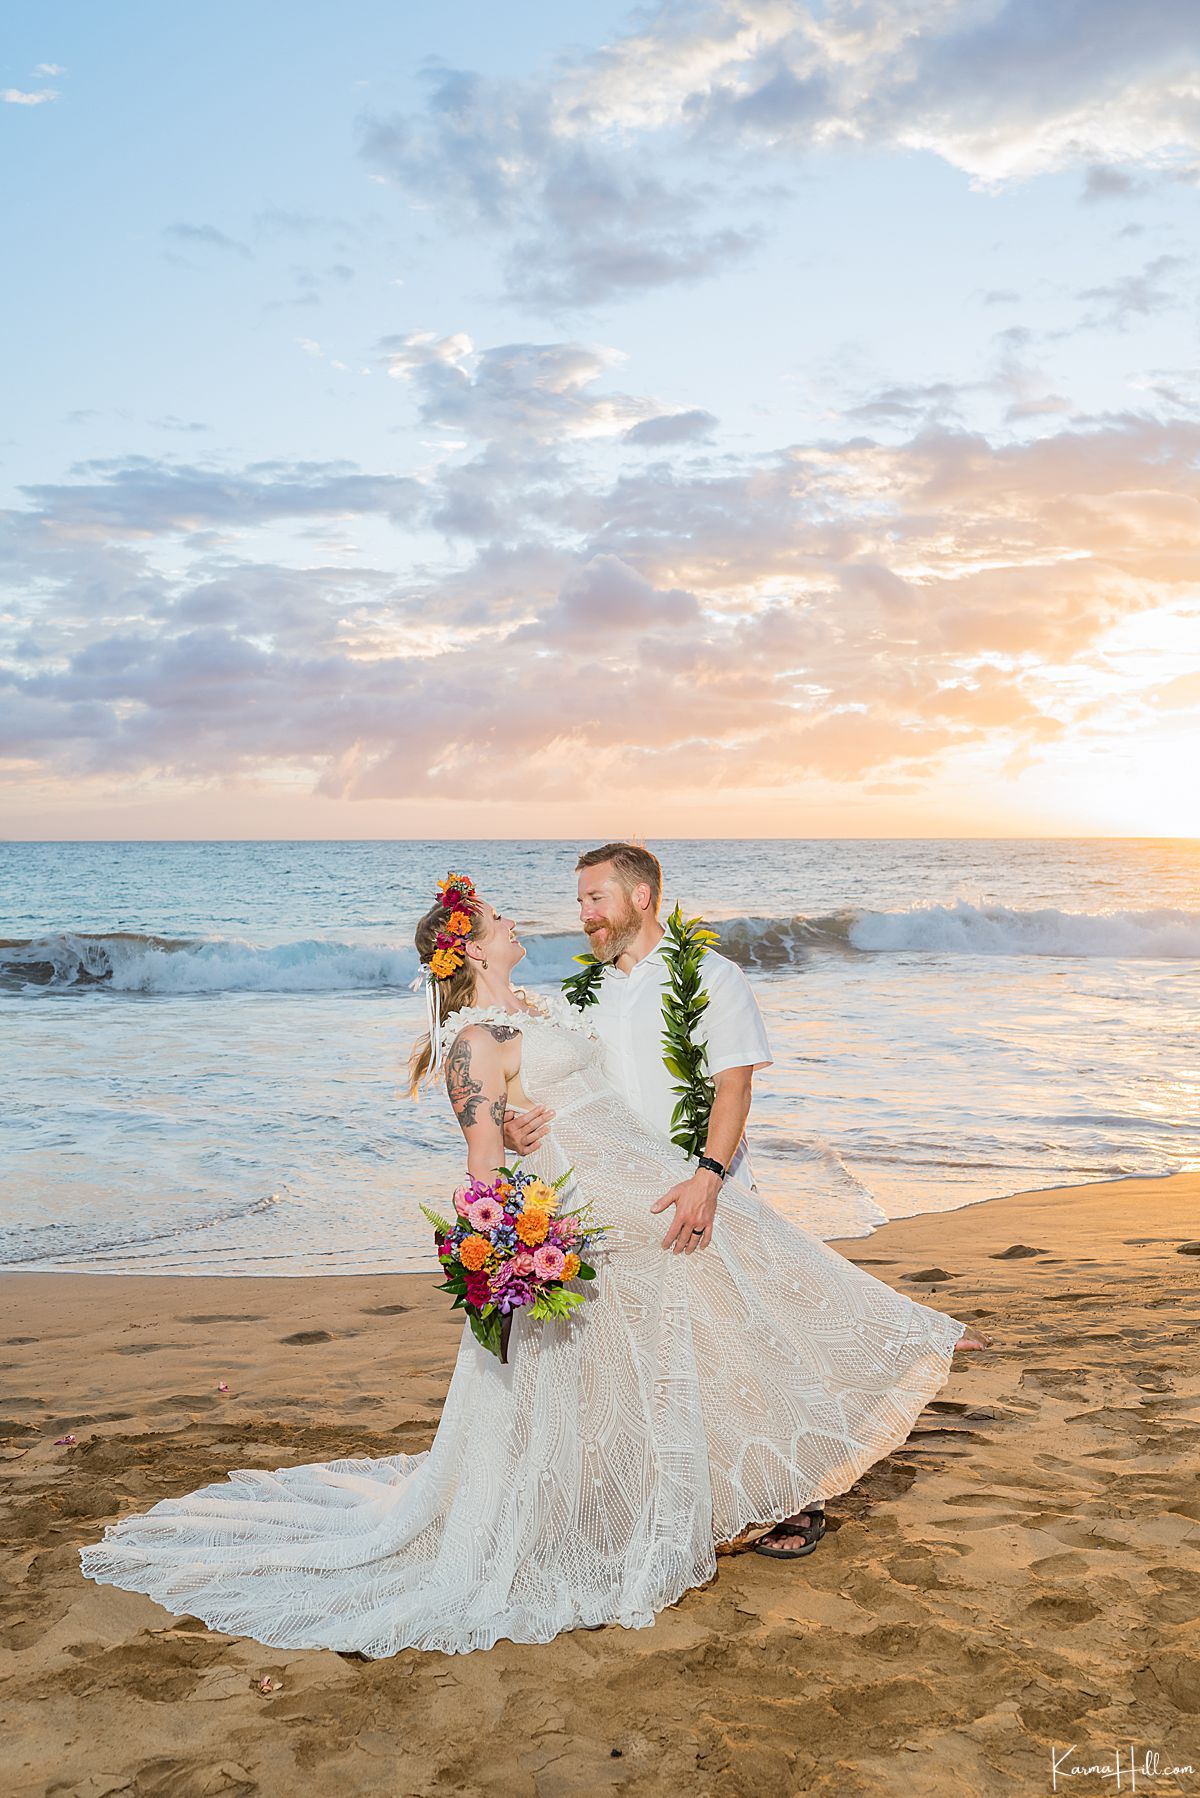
{"x":503,"y":1033}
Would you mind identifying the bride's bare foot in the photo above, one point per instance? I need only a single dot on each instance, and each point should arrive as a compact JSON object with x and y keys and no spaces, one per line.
{"x":972,"y":1342}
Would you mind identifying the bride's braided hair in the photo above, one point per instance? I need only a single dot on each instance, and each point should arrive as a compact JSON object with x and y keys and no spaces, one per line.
{"x":455,"y":989}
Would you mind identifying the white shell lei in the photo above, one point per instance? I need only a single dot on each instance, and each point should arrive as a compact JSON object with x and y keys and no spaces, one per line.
{"x":548,"y":1008}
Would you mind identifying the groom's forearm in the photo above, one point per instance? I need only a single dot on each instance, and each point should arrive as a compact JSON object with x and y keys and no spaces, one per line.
{"x":730,"y":1109}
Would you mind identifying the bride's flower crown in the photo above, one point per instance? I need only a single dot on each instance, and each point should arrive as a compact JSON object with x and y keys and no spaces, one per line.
{"x":456,"y":895}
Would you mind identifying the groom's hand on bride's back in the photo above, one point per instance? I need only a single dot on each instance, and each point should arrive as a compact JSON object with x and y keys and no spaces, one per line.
{"x":525,"y":1131}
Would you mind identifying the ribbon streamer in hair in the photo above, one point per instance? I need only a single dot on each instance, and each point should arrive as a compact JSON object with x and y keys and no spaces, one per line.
{"x":433,"y":1015}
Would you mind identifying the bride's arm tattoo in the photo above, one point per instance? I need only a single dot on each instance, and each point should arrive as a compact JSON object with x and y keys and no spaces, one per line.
{"x":466,"y":1094}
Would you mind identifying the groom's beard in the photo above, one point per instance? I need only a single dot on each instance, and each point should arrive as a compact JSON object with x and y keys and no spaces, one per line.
{"x":621,"y":933}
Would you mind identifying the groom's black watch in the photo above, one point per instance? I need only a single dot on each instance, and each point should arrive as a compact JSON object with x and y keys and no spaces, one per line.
{"x":713,"y":1166}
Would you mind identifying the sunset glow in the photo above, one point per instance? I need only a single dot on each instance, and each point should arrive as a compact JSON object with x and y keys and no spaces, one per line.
{"x":761,"y":420}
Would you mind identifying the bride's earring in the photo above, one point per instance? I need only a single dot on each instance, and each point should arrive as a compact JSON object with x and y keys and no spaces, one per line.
{"x":483,"y":963}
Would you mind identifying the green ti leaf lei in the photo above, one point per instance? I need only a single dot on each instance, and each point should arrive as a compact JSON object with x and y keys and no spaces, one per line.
{"x":687,"y":942}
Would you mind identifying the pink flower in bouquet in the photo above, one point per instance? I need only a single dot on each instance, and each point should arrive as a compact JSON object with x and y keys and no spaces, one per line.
{"x":462,"y":1201}
{"x":522,"y":1263}
{"x":485,"y":1214}
{"x":548,"y":1262}
{"x":566,"y":1229}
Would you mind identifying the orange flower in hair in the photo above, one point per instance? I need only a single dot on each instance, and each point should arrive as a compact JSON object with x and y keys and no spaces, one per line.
{"x":456,"y":894}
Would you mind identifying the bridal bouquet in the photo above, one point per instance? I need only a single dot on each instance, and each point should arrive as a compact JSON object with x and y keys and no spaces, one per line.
{"x":511,"y":1249}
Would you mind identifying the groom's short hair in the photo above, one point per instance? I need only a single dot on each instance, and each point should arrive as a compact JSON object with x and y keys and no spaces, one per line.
{"x":632,"y":865}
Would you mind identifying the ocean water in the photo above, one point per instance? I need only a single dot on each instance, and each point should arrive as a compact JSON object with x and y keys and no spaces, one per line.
{"x":203,"y":1044}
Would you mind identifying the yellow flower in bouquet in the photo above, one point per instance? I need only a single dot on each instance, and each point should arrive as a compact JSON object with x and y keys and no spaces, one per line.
{"x":541,"y":1196}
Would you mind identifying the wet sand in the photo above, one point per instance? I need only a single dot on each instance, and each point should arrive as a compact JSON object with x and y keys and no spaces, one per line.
{"x":1023,"y":1575}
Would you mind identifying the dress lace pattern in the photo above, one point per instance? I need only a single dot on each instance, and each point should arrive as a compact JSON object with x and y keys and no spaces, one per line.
{"x":589,"y":1480}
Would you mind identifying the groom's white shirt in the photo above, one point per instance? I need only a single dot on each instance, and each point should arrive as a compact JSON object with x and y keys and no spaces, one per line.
{"x":628,"y":1019}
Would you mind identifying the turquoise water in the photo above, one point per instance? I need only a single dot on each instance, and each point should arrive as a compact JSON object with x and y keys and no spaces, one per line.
{"x":204,"y":1043}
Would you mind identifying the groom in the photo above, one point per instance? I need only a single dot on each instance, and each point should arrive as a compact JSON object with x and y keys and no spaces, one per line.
{"x":620,"y":889}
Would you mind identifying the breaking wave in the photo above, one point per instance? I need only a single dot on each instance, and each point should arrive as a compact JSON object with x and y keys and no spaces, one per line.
{"x":965,"y":929}
{"x":132,"y":963}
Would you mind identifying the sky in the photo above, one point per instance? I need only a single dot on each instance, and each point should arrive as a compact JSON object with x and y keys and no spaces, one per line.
{"x":766,"y":419}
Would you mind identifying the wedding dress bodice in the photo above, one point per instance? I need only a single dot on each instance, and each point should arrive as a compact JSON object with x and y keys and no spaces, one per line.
{"x":562,"y":1059}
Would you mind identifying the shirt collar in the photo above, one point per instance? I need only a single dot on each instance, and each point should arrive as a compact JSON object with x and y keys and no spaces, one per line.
{"x":654,"y":954}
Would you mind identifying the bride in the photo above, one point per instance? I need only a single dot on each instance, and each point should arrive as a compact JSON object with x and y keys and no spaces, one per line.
{"x":588,"y":1481}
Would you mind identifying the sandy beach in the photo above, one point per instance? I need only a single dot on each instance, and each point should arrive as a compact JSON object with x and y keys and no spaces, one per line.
{"x":1020,"y":1577}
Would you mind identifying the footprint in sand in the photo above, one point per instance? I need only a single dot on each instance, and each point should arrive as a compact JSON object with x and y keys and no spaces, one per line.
{"x":303,"y":1338}
{"x":385,"y":1310}
{"x":1052,"y":1380}
{"x":1018,"y":1252}
{"x":929,"y":1276}
{"x":223,"y":1317}
{"x":1178,"y":1594}
{"x":1062,"y":1608}
{"x":949,"y":1407}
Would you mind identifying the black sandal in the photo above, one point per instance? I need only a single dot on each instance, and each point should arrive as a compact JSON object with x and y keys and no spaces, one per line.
{"x":810,"y":1534}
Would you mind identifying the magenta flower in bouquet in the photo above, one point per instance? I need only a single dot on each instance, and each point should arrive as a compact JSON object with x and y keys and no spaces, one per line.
{"x":511,"y":1248}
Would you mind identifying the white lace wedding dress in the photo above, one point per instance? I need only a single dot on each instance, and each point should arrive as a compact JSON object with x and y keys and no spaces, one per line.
{"x":588,"y":1480}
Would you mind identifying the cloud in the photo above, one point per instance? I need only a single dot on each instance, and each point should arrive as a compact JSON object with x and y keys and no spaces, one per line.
{"x":1132,"y":296}
{"x":140,"y":497}
{"x":15,"y":96}
{"x":585,"y":221}
{"x":207,"y":235}
{"x":672,"y":427}
{"x":842,"y":606}
{"x":905,"y":404}
{"x":606,"y":600}
{"x":624,"y":169}
{"x":1102,"y":182}
{"x":517,"y":391}
{"x":189,"y":426}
